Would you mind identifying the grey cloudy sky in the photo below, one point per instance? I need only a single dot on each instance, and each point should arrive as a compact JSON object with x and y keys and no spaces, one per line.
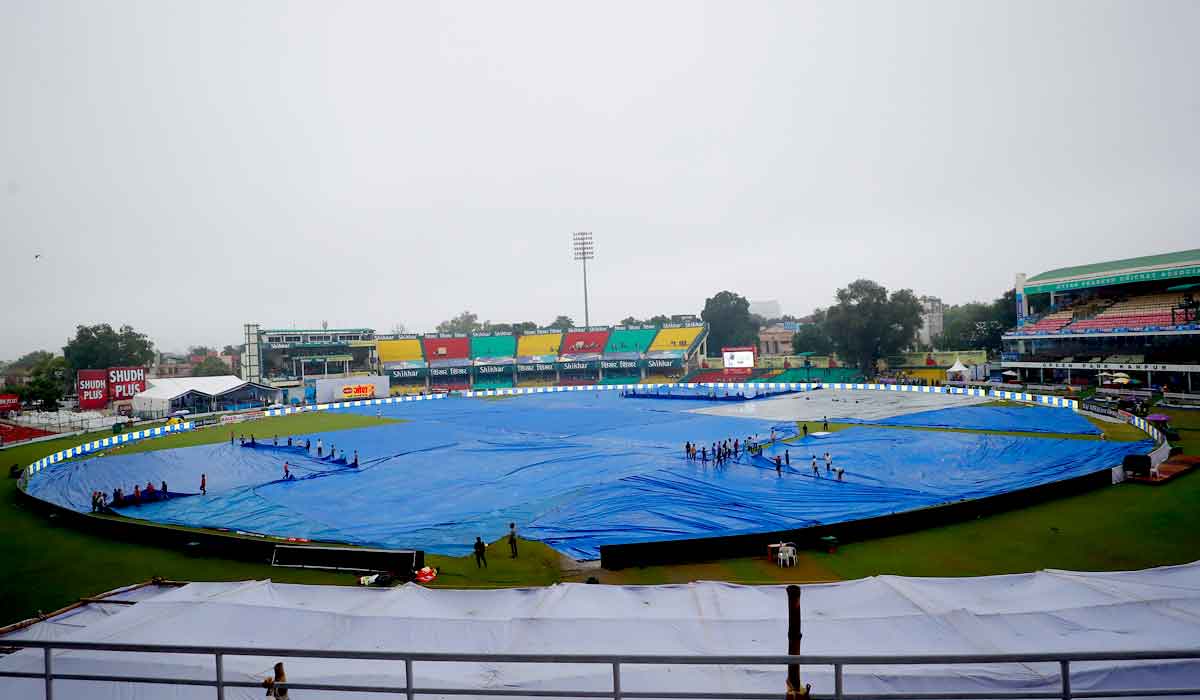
{"x":187,"y":167}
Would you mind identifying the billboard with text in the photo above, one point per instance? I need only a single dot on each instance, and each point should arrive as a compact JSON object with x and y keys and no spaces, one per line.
{"x":125,"y":382}
{"x":91,"y":387}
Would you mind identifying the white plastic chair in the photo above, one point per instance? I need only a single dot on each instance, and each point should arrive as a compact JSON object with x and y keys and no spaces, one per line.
{"x":786,"y":556}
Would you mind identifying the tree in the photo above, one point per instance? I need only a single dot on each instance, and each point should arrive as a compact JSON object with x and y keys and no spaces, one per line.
{"x":562,"y":323}
{"x":234,"y":349}
{"x":100,"y":346}
{"x":200,"y":350}
{"x":630,"y":321}
{"x":466,"y":322}
{"x":978,"y":325}
{"x":210,"y":367}
{"x":498,"y":327}
{"x":657,"y":320}
{"x":524,"y":327}
{"x":867,"y":323}
{"x":812,"y":337}
{"x":47,"y":383}
{"x":30,"y":360}
{"x":729,"y":322}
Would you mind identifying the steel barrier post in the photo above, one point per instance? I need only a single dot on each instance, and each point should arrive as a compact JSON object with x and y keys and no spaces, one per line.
{"x":616,"y":680}
{"x":837,"y":681}
{"x":408,"y":678}
{"x":220,"y":658}
{"x":1065,"y":672}
{"x":48,"y":669}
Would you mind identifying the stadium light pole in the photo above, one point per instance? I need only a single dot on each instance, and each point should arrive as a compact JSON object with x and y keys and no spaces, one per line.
{"x":584,"y":250}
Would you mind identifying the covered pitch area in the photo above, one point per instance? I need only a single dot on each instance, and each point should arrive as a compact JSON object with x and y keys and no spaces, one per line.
{"x":582,"y":469}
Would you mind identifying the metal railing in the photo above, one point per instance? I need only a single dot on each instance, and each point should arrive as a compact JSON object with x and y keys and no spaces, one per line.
{"x":616,"y":662}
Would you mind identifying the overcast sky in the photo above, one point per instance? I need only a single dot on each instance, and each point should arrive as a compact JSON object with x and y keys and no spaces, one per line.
{"x":188,"y":167}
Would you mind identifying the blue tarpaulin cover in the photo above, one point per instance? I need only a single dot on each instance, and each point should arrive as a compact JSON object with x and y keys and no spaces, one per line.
{"x":1019,"y":419}
{"x":576,"y":470}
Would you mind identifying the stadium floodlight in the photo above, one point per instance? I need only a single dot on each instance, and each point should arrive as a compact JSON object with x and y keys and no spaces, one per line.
{"x":585,"y":250}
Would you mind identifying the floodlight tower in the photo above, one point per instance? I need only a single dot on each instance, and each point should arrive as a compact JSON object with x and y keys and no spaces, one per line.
{"x":584,"y":250}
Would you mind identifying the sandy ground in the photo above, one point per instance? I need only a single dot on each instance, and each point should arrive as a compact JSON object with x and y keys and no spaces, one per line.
{"x":865,"y":405}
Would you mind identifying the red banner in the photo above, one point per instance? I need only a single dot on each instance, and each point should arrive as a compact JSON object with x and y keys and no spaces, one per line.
{"x":124,"y":382}
{"x":9,"y":402}
{"x":91,"y":386}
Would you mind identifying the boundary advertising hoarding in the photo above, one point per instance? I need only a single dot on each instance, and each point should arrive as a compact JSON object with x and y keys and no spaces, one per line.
{"x":358,"y":391}
{"x":125,"y":382}
{"x":91,"y":387}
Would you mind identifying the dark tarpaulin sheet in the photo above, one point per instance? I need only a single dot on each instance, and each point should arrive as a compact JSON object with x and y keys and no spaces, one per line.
{"x":1016,"y":419}
{"x":575,"y":469}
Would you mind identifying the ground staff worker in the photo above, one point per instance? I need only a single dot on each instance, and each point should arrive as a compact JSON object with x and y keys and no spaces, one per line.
{"x":480,"y":553}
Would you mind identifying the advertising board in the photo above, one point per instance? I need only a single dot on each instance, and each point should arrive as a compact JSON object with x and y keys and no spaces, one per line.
{"x":91,"y":386}
{"x":125,"y":382}
{"x":358,"y":391}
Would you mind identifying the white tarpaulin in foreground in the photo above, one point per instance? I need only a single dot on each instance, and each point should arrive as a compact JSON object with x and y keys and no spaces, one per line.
{"x":1047,"y":611}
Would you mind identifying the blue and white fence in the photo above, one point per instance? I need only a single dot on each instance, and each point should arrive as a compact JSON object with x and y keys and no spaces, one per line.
{"x":136,"y":435}
{"x":521,"y":390}
{"x":358,"y":403}
{"x":104,"y":444}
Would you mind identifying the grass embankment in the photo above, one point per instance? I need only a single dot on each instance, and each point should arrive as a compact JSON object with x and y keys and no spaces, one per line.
{"x":1129,"y":526}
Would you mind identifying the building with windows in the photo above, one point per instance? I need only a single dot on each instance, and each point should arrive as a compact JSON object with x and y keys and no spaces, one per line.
{"x":286,"y":357}
{"x":776,"y":340}
{"x":932,"y":314}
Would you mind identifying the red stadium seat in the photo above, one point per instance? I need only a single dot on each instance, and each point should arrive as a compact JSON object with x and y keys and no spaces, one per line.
{"x":11,"y":433}
{"x":447,"y":348}
{"x":584,"y":342}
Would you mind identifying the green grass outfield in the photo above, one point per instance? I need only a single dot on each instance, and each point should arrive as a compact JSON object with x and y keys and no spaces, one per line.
{"x":44,"y":566}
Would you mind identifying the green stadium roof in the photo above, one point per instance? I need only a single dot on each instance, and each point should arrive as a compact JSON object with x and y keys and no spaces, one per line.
{"x":1183,"y":257}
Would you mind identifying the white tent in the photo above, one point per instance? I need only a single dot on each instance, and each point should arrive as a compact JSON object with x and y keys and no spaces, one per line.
{"x":160,"y":393}
{"x":1048,"y":611}
{"x":958,"y":372}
